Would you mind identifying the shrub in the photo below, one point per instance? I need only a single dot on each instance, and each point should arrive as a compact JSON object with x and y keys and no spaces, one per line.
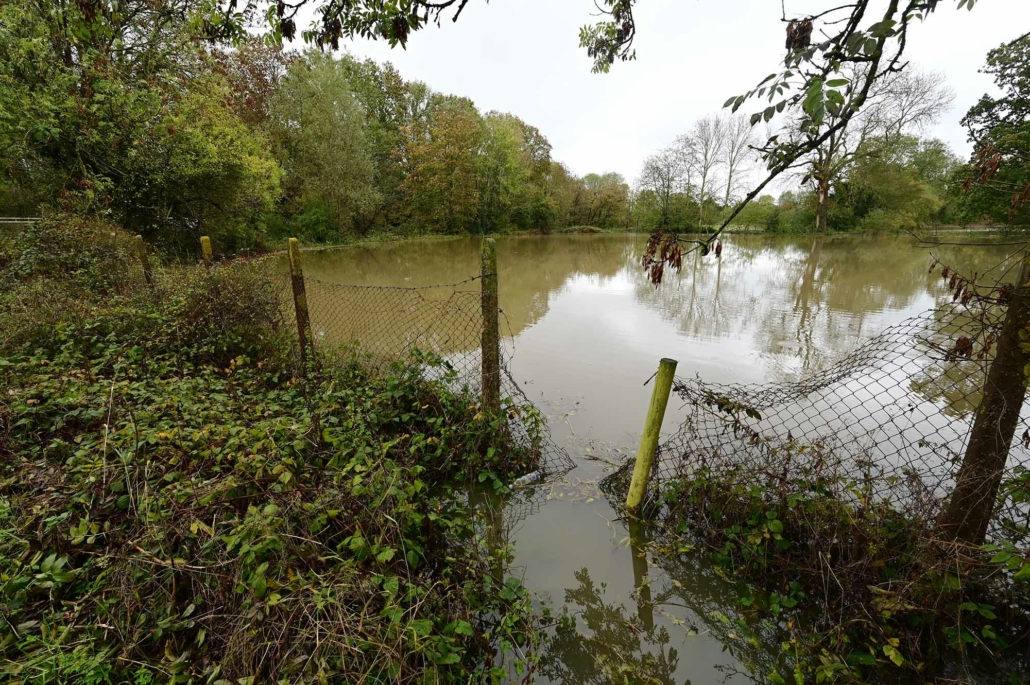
{"x":854,"y":585}
{"x":88,"y":254}
{"x":212,"y":517}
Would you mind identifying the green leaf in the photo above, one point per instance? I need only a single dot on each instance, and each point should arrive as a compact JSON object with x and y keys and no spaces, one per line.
{"x":1023,"y":574}
{"x":390,"y":585}
{"x":448,"y":658}
{"x":421,"y":626}
{"x":893,"y":654}
{"x":837,"y":82}
{"x":463,"y":628}
{"x":813,"y":97}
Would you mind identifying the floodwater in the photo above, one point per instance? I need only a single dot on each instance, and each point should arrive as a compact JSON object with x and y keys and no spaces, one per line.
{"x":586,"y":331}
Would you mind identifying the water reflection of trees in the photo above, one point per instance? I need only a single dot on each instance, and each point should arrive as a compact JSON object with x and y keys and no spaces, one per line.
{"x":615,"y":650}
{"x":810,"y":299}
{"x":803,"y":300}
{"x":598,"y":640}
{"x":531,"y":268}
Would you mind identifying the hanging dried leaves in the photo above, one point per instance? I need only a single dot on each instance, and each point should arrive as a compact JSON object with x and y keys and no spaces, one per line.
{"x":963,"y":349}
{"x":799,"y":34}
{"x":663,"y":249}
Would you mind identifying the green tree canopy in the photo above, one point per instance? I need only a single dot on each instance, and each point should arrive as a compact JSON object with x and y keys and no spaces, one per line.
{"x":318,"y":129}
{"x":118,"y":112}
{"x":998,"y":176}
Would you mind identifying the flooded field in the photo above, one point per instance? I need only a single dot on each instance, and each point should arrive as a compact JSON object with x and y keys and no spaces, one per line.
{"x":585,"y":331}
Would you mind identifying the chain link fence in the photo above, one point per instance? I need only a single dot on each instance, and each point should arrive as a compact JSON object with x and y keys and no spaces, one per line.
{"x":439,"y":329}
{"x":889,"y":423}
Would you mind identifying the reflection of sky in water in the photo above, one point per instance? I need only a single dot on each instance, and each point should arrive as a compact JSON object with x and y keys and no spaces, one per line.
{"x":589,"y":331}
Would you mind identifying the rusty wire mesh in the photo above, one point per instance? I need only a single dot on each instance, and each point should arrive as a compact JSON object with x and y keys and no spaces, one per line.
{"x":891,"y":420}
{"x":383,"y":325}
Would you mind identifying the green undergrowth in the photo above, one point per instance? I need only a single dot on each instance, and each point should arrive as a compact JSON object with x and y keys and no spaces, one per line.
{"x":179,"y":505}
{"x":851,"y":590}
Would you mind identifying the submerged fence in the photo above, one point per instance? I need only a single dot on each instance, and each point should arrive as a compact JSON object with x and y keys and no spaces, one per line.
{"x":891,"y":423}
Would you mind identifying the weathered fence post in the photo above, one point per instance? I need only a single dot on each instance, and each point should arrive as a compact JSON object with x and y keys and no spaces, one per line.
{"x":969,"y":510}
{"x":205,"y":249}
{"x":144,"y":260}
{"x":652,"y":429}
{"x":491,"y":328}
{"x":300,"y":300}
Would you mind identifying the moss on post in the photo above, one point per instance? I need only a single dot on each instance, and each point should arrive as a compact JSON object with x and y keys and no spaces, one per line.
{"x":144,"y":260}
{"x":491,"y":328}
{"x":205,"y":249}
{"x":652,"y":429}
{"x":300,"y":300}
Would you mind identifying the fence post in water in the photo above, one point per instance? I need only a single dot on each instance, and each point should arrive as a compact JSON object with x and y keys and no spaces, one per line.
{"x":652,"y":429}
{"x":300,"y":301}
{"x":205,"y":249}
{"x":144,"y":260}
{"x":969,"y":510}
{"x":491,"y":328}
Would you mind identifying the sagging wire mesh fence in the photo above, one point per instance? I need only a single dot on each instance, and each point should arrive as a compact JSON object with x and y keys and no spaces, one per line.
{"x":831,"y":501}
{"x":438,"y":329}
{"x":890,"y":422}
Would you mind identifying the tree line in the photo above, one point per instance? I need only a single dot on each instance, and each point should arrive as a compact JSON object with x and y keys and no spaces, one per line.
{"x":877,"y":173}
{"x":171,"y":126}
{"x":134,"y":113}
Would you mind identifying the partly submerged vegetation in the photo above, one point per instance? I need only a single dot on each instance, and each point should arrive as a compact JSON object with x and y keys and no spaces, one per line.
{"x":179,"y":504}
{"x":848,"y":588}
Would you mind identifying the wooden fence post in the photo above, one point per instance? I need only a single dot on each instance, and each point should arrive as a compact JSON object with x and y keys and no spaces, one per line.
{"x":971,"y":506}
{"x":144,"y":260}
{"x":300,"y":301}
{"x":652,"y":429}
{"x":491,"y":328}
{"x":205,"y":249}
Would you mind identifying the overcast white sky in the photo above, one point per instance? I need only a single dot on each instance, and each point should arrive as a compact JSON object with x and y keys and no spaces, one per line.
{"x":522,"y":56}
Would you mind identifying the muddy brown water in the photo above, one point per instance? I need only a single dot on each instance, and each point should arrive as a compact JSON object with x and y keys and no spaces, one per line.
{"x":587,"y":330}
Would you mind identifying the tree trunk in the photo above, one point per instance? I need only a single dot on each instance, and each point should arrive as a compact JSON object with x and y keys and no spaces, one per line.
{"x":823,"y":193}
{"x":701,"y":203}
{"x":971,"y":506}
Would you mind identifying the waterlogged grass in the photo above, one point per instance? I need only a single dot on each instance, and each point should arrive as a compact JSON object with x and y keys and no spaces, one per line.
{"x":177,"y":505}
